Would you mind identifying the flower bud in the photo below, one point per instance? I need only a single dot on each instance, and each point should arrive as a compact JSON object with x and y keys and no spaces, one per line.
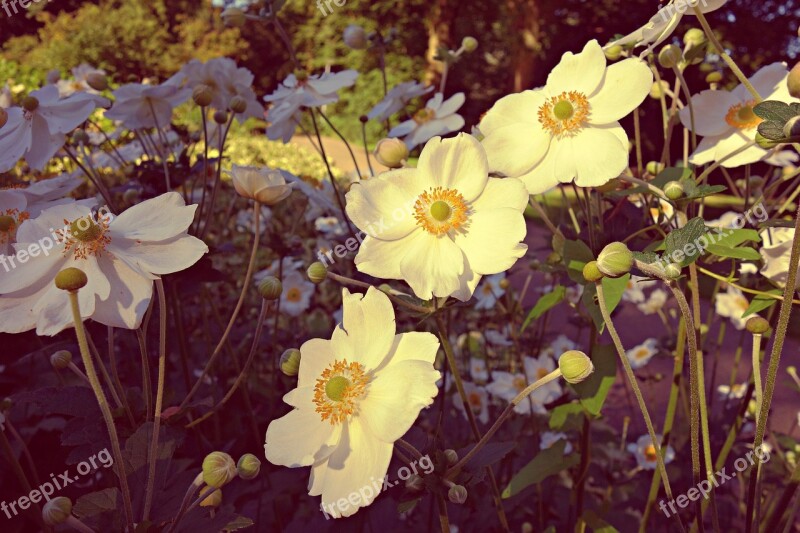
{"x":714,"y":77}
{"x":3,"y":117}
{"x":202,"y":95}
{"x":317,"y":272}
{"x":694,"y":37}
{"x":793,"y":81}
{"x":658,"y":89}
{"x":61,"y":359}
{"x":57,"y":511}
{"x":30,"y":103}
{"x":504,"y":283}
{"x":457,"y":494}
{"x":655,"y":167}
{"x":615,"y":260}
{"x":757,"y":325}
{"x":670,"y":56}
{"x":131,"y":196}
{"x":97,"y":81}
{"x":613,"y":52}
{"x":391,"y":152}
{"x":355,"y":37}
{"x":220,"y":117}
{"x":763,"y":142}
{"x":469,"y":44}
{"x":415,"y":483}
{"x":792,"y":127}
{"x":451,"y":456}
{"x":674,"y":190}
{"x":290,"y":362}
{"x":238,"y":104}
{"x":270,"y":288}
{"x":218,"y":469}
{"x":234,"y":17}
{"x":71,"y":279}
{"x":672,"y":271}
{"x":213,"y":500}
{"x":248,"y":466}
{"x":591,"y":273}
{"x":575,"y":366}
{"x":80,"y":137}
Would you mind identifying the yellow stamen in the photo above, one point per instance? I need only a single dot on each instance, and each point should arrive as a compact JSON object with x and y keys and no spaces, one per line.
{"x":338,"y":390}
{"x":741,"y":116}
{"x":564,"y":114}
{"x":440,"y":210}
{"x":650,"y":453}
{"x":85,"y":237}
{"x":424,"y":115}
{"x":10,"y":220}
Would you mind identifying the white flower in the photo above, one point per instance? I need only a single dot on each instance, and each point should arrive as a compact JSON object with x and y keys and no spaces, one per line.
{"x":264,"y":185}
{"x":784,"y":158}
{"x":732,"y":304}
{"x":448,"y":222}
{"x":659,"y":213}
{"x":727,"y":122}
{"x":356,"y":395}
{"x":438,"y":117}
{"x":568,"y":130}
{"x":294,"y":94}
{"x":245,"y":220}
{"x":296,"y":295}
{"x":121,"y":257}
{"x":478,"y":370}
{"x":147,"y":106}
{"x":645,"y":452}
{"x":548,"y":438}
{"x":489,"y":291}
{"x":663,"y":23}
{"x":477,"y":398}
{"x":225,"y":80}
{"x":736,"y":392}
{"x":80,"y":81}
{"x":497,"y":338}
{"x":38,"y":134}
{"x":396,"y":99}
{"x":634,"y":291}
{"x":654,"y":303}
{"x":536,"y":369}
{"x":727,"y":220}
{"x":776,"y":250}
{"x":561,"y":344}
{"x":507,"y":386}
{"x":330,"y":226}
{"x":640,"y":355}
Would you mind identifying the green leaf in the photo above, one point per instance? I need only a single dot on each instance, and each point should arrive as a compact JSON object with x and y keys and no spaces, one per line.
{"x":646,"y":257}
{"x":96,"y":503}
{"x":613,"y":289}
{"x":240,"y":522}
{"x":576,"y":255}
{"x":774,"y":111}
{"x":681,"y":244}
{"x":566,"y":416}
{"x":705,"y":190}
{"x":733,"y":237}
{"x":760,"y":303}
{"x":593,"y":391}
{"x":545,"y":303}
{"x":549,"y":462}
{"x":670,"y":174}
{"x":741,"y":252}
{"x":772,"y":130}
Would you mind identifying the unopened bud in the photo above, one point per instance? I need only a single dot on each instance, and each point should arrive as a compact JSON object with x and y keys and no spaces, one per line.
{"x":672,"y":271}
{"x":80,"y":137}
{"x":218,"y":469}
{"x":290,"y":362}
{"x":57,"y":511}
{"x":71,"y":279}
{"x":97,"y":81}
{"x":615,"y":260}
{"x":270,"y":288}
{"x":504,"y":283}
{"x":457,"y":494}
{"x":613,"y":52}
{"x":234,"y":17}
{"x":575,"y":366}
{"x":591,"y":273}
{"x":469,"y":44}
{"x":248,"y":466}
{"x":238,"y":104}
{"x":30,"y":103}
{"x":694,"y":37}
{"x":213,"y":500}
{"x":655,"y":168}
{"x":202,"y":95}
{"x":391,"y":153}
{"x":757,"y":325}
{"x":670,"y":56}
{"x":714,"y":77}
{"x":793,"y":81}
{"x":317,"y":272}
{"x":451,"y":456}
{"x":659,"y":89}
{"x":355,"y":37}
{"x":220,"y":117}
{"x":674,"y":190}
{"x":61,"y":359}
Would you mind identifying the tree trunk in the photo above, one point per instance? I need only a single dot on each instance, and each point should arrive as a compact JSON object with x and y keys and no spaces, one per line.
{"x":526,"y":28}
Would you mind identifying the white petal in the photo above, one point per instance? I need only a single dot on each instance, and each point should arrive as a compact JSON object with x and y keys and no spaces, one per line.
{"x":300,"y":438}
{"x":432,"y":265}
{"x":580,"y":72}
{"x":502,"y":192}
{"x":710,"y":109}
{"x":367,"y":329}
{"x":736,"y":141}
{"x":766,"y":81}
{"x":624,"y":87}
{"x":382,"y":206}
{"x":404,"y":128}
{"x":459,"y":163}
{"x":157,"y":219}
{"x":706,"y":149}
{"x":163,"y":257}
{"x":413,"y":346}
{"x":315,"y":356}
{"x":599,"y":156}
{"x":129,"y":296}
{"x":513,"y":109}
{"x":451,"y":105}
{"x":515,"y":149}
{"x":381,"y":259}
{"x":492,"y":240}
{"x":396,"y":396}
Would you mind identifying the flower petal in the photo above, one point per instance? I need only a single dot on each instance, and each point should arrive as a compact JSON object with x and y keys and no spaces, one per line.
{"x":315,"y":356}
{"x":157,"y":219}
{"x":381,"y":259}
{"x":515,"y":149}
{"x":710,"y":109}
{"x":624,"y":87}
{"x":599,"y":155}
{"x":382,"y":206}
{"x":459,"y":163}
{"x":513,"y":109}
{"x":492,"y":240}
{"x":367,"y":330}
{"x":580,"y":72}
{"x":502,"y":192}
{"x":432,"y":265}
{"x":129,"y":296}
{"x":300,"y":438}
{"x":163,"y":257}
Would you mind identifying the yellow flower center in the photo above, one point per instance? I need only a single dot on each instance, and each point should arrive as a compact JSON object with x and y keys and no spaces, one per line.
{"x":85,"y":237}
{"x":540,"y":373}
{"x":10,"y":220}
{"x":424,"y":115}
{"x":440,"y":210}
{"x":520,"y":383}
{"x":564,"y":114}
{"x":293,"y":295}
{"x":475,"y":401}
{"x":741,"y":116}
{"x":641,"y":353}
{"x":338,"y":390}
{"x":650,"y":453}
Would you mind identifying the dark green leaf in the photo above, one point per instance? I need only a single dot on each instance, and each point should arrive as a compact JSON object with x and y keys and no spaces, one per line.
{"x":548,"y":462}
{"x":576,"y":254}
{"x":772,"y":130}
{"x":771,"y":110}
{"x":613,"y":289}
{"x":646,"y":257}
{"x":733,"y":237}
{"x":705,"y":190}
{"x":670,"y":174}
{"x":681,"y":244}
{"x":545,"y":303}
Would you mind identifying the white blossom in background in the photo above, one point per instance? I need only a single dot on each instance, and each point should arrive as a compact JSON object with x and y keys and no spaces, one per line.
{"x":81,"y":76}
{"x":732,"y":304}
{"x":297,"y":292}
{"x":478,"y":399}
{"x":640,"y":355}
{"x":139,"y":105}
{"x":548,"y":438}
{"x":396,"y":99}
{"x":437,"y":118}
{"x":645,"y":453}
{"x":776,"y":250}
{"x":489,"y":291}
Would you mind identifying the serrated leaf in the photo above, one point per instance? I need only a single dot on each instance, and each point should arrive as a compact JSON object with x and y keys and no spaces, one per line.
{"x":741,"y":252}
{"x":680,"y":246}
{"x":772,"y":110}
{"x":544,"y":304}
{"x":593,"y":391}
{"x":760,"y":303}
{"x":547,"y":463}
{"x":771,"y":130}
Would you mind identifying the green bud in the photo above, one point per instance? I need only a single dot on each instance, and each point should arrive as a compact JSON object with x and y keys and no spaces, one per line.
{"x":218,"y":469}
{"x":451,"y":456}
{"x":714,"y":77}
{"x":670,"y":56}
{"x":80,"y":137}
{"x":591,"y":273}
{"x":270,"y":288}
{"x":659,"y":89}
{"x":793,"y":81}
{"x":763,"y":142}
{"x":674,"y":190}
{"x":220,"y":117}
{"x":238,"y":104}
{"x":97,"y":81}
{"x":202,"y":95}
{"x":213,"y":500}
{"x":575,"y":366}
{"x":554,"y":258}
{"x":391,"y":152}
{"x":355,"y":37}
{"x":71,"y":279}
{"x":290,"y":362}
{"x":792,"y":127}
{"x":30,"y":103}
{"x":615,"y":260}
{"x":694,"y":37}
{"x":61,"y":359}
{"x":248,"y":466}
{"x":469,"y":44}
{"x":757,"y":325}
{"x":57,"y":511}
{"x":672,"y":271}
{"x":613,"y":52}
{"x":655,"y":168}
{"x":317,"y":272}
{"x":457,"y":494}
{"x":234,"y":17}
